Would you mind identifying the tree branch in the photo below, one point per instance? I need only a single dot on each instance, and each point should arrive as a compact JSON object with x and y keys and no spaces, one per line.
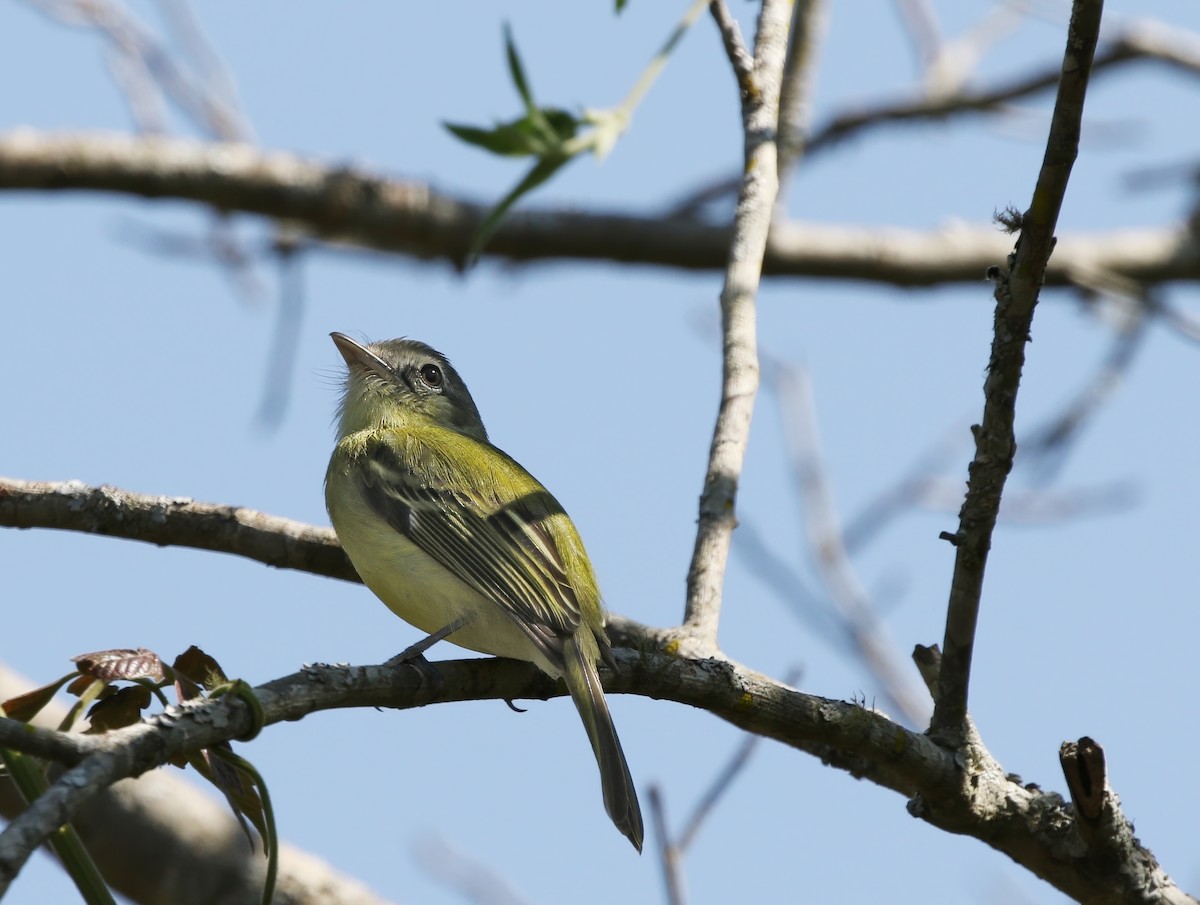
{"x":760,"y":89}
{"x":173,"y":521}
{"x":190,"y":853}
{"x":809,"y":20}
{"x":1016,"y":296}
{"x":1141,"y":41}
{"x":1031,"y":826}
{"x":1025,"y":823}
{"x":863,"y":631}
{"x":352,"y":207}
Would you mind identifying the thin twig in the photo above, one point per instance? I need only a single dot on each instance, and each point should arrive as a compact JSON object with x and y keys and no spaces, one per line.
{"x":288,"y":323}
{"x":208,"y":67}
{"x":724,"y":780}
{"x":475,"y":881}
{"x":668,"y":852}
{"x":129,"y":37}
{"x":920,"y":21}
{"x":740,"y":57}
{"x":809,"y":19}
{"x":752,"y":220}
{"x":866,"y":634}
{"x":1016,"y":296}
{"x":778,"y":574}
{"x":948,"y":68}
{"x":1141,"y":42}
{"x":910,"y":490}
{"x":1046,"y":448}
{"x":1145,"y":41}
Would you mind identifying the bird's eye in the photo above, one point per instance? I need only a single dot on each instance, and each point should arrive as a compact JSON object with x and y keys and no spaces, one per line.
{"x":432,"y":375}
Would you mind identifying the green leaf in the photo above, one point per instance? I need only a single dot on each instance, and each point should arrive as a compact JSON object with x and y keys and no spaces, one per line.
{"x":542,"y":170}
{"x":529,"y":136}
{"x":621,"y":5}
{"x":517,"y":71}
{"x":505,"y":139}
{"x":563,"y":124}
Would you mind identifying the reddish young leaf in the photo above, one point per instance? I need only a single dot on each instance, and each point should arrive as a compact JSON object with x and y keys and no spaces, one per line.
{"x":121,"y":663}
{"x":115,"y":711}
{"x":200,"y":668}
{"x":25,"y":707}
{"x":80,"y":685}
{"x":237,"y":787}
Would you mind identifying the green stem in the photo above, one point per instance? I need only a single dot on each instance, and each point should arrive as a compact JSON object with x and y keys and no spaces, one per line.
{"x":655,"y":68}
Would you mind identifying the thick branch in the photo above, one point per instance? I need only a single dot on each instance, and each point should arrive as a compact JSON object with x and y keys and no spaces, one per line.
{"x":1031,"y":826}
{"x":1016,"y":296}
{"x":355,"y":207}
{"x":1027,"y":824}
{"x":173,"y":521}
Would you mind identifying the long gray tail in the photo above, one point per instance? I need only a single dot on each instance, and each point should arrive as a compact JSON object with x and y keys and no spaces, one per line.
{"x":620,"y":797}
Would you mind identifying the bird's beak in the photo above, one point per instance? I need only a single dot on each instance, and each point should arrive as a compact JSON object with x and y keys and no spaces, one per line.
{"x":359,"y":357}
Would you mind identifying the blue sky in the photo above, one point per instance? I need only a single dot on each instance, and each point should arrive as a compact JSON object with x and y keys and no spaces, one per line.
{"x":146,"y":372}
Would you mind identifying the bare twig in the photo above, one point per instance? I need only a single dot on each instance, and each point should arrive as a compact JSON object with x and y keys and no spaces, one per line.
{"x":1046,"y":448}
{"x":1032,"y":507}
{"x":188,"y":34}
{"x":668,"y":853}
{"x":672,"y":849}
{"x":1141,"y":42}
{"x":739,"y":55}
{"x":739,"y":383}
{"x":473,"y":880}
{"x":947,"y":68}
{"x":920,"y":21}
{"x":910,"y":490}
{"x":724,"y":780}
{"x":865,"y":633}
{"x":288,"y":323}
{"x":217,"y":114}
{"x":809,"y":19}
{"x":946,"y":97}
{"x":1016,"y":296}
{"x":777,"y":573}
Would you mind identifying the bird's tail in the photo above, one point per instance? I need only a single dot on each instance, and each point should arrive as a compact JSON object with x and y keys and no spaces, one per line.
{"x":620,"y":797}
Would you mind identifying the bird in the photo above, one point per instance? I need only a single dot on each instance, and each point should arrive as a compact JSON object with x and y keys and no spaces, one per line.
{"x":460,"y":541}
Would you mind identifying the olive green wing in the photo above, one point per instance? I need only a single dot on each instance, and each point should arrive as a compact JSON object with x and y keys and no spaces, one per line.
{"x":488,"y":522}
